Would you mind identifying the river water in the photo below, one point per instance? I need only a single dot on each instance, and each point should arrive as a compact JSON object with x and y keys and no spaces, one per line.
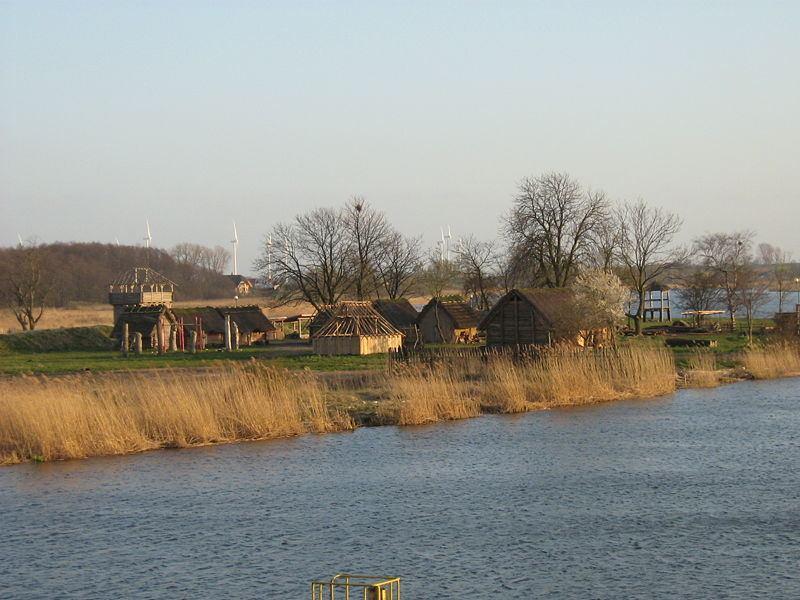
{"x":696,"y":495}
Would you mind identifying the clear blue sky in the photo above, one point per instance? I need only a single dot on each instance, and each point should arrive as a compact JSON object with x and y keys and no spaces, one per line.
{"x":193,"y":114}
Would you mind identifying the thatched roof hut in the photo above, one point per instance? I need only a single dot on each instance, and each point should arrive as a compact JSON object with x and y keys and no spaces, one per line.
{"x":402,"y":315}
{"x":448,"y":322}
{"x":356,"y":328}
{"x":253,"y":324}
{"x":535,"y":316}
{"x":146,"y":320}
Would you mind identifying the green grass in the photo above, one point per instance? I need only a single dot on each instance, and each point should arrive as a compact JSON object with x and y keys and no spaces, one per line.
{"x":58,"y":340}
{"x":15,"y":363}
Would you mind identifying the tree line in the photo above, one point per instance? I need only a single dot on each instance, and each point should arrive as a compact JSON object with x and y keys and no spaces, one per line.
{"x":558,"y":233}
{"x":35,"y":276}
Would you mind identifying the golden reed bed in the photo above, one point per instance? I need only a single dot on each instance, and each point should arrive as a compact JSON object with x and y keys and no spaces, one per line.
{"x":78,"y":416}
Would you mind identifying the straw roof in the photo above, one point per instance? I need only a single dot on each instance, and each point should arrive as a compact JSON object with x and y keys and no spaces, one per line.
{"x":211,"y":319}
{"x":349,"y":319}
{"x":461,"y":313}
{"x":142,"y":319}
{"x":249,"y":319}
{"x":548,"y":302}
{"x":399,"y":313}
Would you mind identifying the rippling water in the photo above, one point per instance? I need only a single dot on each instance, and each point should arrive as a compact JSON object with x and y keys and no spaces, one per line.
{"x":695,"y":495}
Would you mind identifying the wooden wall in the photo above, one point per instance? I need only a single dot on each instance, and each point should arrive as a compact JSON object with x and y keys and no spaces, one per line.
{"x":516,"y":323}
{"x":377,"y":344}
{"x":430,"y":333}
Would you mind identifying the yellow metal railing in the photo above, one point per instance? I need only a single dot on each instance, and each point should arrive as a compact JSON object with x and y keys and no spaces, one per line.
{"x":347,"y":586}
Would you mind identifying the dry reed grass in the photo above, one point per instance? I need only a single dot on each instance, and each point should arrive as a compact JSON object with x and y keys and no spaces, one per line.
{"x":770,"y":362}
{"x":51,"y":419}
{"x":560,"y":377}
{"x":54,"y":318}
{"x":568,"y":377}
{"x":420,"y":395}
{"x":701,"y":371}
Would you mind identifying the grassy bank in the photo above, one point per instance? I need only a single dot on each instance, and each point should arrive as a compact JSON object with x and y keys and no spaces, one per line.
{"x":80,"y":415}
{"x":50,"y":418}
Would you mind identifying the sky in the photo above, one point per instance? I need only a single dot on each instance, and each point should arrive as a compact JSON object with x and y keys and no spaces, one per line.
{"x":195,"y":114}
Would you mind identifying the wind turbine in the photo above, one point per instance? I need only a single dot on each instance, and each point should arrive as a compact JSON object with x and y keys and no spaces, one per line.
{"x":448,"y":236}
{"x":116,"y":241}
{"x":441,"y":245}
{"x":19,"y":237}
{"x":149,"y":238}
{"x":235,"y":242}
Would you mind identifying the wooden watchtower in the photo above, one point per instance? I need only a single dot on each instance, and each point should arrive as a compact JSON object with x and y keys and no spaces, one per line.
{"x":657,"y":304}
{"x":140,"y":286}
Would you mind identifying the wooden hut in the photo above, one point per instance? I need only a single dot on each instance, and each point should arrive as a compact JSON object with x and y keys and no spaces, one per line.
{"x":402,"y":315}
{"x":253,"y":324}
{"x":153,"y":322}
{"x":788,"y":323}
{"x":447,"y":322}
{"x":533,"y":316}
{"x":206,"y":320}
{"x":356,"y":328}
{"x":320,"y":318}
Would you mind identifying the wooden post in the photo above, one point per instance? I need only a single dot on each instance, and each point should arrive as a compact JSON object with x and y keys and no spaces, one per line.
{"x":137,"y":342}
{"x":160,"y":336}
{"x":193,"y":341}
{"x":173,"y":338}
{"x":234,"y":335}
{"x":227,"y":333}
{"x":125,"y":339}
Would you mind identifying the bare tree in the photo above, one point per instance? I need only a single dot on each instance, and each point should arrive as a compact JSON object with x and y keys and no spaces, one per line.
{"x":781,"y":271}
{"x":439,"y":275}
{"x":368,"y":230}
{"x":727,"y":255}
{"x":605,"y":243}
{"x":516,"y":269}
{"x":398,"y":264}
{"x":312,"y":258}
{"x":475,"y":260}
{"x":553,"y":219}
{"x":752,"y":293}
{"x":26,"y":287}
{"x":646,"y":251}
{"x":699,"y":289}
{"x":216,"y":259}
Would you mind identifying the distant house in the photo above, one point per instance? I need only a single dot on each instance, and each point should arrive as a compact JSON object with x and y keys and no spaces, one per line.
{"x":242,"y":285}
{"x":209,"y":321}
{"x":527,"y":317}
{"x":447,"y":322}
{"x":356,"y":328}
{"x":154,"y":322}
{"x":402,"y":315}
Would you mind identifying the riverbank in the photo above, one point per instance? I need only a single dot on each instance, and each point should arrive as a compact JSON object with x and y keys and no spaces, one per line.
{"x":46,"y":418}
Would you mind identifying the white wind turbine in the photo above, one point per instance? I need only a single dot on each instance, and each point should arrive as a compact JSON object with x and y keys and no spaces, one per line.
{"x":149,"y":238}
{"x":235,"y":242}
{"x":449,"y":237}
